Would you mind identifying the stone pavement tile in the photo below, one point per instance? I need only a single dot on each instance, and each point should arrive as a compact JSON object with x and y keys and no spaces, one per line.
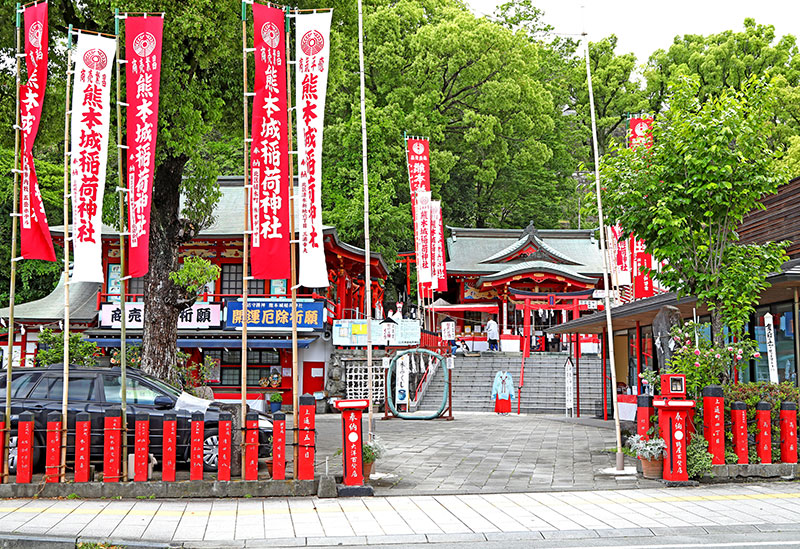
{"x":731,"y":529}
{"x":107,"y":520}
{"x":688,"y":531}
{"x":492,"y":510}
{"x":249,"y":519}
{"x":508,"y":503}
{"x":472,"y":519}
{"x":513,"y":536}
{"x":420,"y":519}
{"x":569,"y":534}
{"x":361,"y":519}
{"x":547,"y":511}
{"x":406,"y":539}
{"x":624,"y":532}
{"x":277,"y":518}
{"x":443,"y":519}
{"x":134,"y":524}
{"x":390,"y":520}
{"x":304,"y":517}
{"x":214,"y":544}
{"x":76,"y":521}
{"x":193,"y":522}
{"x":221,"y":523}
{"x":779,"y":527}
{"x":276,"y":542}
{"x":455,"y":538}
{"x":335,"y":522}
{"x":333,"y":541}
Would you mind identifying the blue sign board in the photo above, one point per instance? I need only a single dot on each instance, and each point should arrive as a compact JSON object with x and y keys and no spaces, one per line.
{"x":274,"y":314}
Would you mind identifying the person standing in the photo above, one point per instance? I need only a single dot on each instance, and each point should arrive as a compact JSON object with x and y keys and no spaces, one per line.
{"x":493,"y":334}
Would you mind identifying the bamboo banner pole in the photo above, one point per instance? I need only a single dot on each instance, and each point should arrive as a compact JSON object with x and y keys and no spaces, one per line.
{"x":14,"y":224}
{"x":245,"y":249}
{"x":293,"y":264}
{"x":122,"y":190}
{"x":367,"y":265}
{"x":609,"y":326}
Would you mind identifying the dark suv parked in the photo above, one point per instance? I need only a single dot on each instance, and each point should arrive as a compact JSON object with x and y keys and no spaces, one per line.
{"x":95,"y":390}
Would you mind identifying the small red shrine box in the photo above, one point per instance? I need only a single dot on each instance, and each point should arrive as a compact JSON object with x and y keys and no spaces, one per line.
{"x":352,"y":439}
{"x":674,"y":413}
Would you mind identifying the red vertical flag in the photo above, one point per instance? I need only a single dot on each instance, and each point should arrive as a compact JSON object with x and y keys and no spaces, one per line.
{"x":35,"y":233}
{"x":143,"y":37}
{"x":641,"y":136}
{"x":269,"y":155}
{"x":419,"y":178}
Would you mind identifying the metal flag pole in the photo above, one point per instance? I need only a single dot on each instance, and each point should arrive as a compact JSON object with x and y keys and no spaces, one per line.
{"x":122,"y":190}
{"x":367,"y":273}
{"x":603,"y":251}
{"x":14,"y":224}
{"x":293,"y":262}
{"x":245,"y":249}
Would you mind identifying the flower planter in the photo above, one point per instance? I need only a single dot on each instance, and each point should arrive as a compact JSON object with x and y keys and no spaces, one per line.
{"x":274,"y":407}
{"x":367,"y":470}
{"x":268,"y":461}
{"x":652,"y":468}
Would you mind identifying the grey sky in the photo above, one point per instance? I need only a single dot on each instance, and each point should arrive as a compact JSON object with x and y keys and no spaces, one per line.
{"x":644,"y":26}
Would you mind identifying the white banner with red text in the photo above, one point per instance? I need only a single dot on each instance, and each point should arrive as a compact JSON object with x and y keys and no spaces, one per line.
{"x":422,"y":230}
{"x":34,"y":231}
{"x":143,"y":39}
{"x":313,"y":59}
{"x":94,"y":57}
{"x":438,"y":260}
{"x":269,"y":154}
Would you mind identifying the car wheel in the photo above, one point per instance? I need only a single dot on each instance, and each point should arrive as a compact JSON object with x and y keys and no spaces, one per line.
{"x":210,"y":450}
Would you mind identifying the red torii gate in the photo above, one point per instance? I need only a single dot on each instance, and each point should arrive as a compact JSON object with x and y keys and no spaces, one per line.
{"x":563,"y":301}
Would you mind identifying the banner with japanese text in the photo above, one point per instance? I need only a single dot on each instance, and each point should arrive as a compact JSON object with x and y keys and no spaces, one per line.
{"x":642,"y":263}
{"x":419,"y":180}
{"x":313,"y":59}
{"x":640,"y":134}
{"x":34,"y":231}
{"x":269,"y":154}
{"x":620,"y":255}
{"x":438,"y":258}
{"x":274,"y":314}
{"x":422,"y":232}
{"x":91,"y":109}
{"x":143,"y":39}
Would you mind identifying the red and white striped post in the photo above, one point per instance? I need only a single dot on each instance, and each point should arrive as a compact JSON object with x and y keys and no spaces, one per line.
{"x":196,"y":449}
{"x":83,"y":444}
{"x":224,"y":455}
{"x":25,"y":448}
{"x":141,"y":452}
{"x":169,"y":447}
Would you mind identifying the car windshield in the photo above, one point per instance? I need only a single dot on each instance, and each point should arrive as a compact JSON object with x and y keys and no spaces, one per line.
{"x":20,"y":385}
{"x":166,"y":387}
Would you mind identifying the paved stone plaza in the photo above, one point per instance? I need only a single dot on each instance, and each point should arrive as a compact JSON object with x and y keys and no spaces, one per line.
{"x":485,"y":453}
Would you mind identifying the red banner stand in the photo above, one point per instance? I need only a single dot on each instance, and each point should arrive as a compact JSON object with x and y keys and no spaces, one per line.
{"x":673,"y":419}
{"x":739,"y":421}
{"x":141,"y":452}
{"x":279,"y":446}
{"x":83,"y":444}
{"x":764,"y":433}
{"x":224,"y":455}
{"x":25,"y":448}
{"x":352,"y":440}
{"x":52,"y":458}
{"x":714,"y":423}
{"x":169,"y":447}
{"x":251,"y":447}
{"x":788,"y":432}
{"x":196,"y":447}
{"x":112,"y":446}
{"x":3,"y":455}
{"x":306,"y":438}
{"x":644,"y":411}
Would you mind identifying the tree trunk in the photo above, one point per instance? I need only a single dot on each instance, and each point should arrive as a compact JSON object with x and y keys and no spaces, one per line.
{"x":717,"y":328}
{"x":163,"y":300}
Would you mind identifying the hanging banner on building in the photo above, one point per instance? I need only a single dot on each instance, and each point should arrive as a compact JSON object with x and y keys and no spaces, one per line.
{"x":269,"y":155}
{"x":422,"y":232}
{"x":94,"y":57}
{"x":313,"y":59}
{"x":642,"y":263}
{"x":200,"y":316}
{"x":620,"y":255}
{"x":34,"y":231}
{"x":143,"y":75}
{"x":275,"y":314}
{"x":641,"y":134}
{"x":438,"y":260}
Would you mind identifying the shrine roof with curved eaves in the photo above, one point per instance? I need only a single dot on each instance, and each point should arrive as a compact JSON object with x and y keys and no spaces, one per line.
{"x":531,"y":267}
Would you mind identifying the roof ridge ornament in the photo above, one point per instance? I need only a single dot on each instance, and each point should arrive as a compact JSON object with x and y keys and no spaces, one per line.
{"x":531,"y":230}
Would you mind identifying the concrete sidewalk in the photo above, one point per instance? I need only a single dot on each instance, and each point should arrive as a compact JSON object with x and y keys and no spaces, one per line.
{"x":404,"y":520}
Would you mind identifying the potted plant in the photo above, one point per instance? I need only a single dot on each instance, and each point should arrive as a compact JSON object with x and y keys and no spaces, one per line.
{"x":275,"y":401}
{"x":651,"y":453}
{"x":370,"y":452}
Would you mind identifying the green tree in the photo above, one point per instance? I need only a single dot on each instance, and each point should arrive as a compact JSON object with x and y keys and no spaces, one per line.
{"x":51,"y":349}
{"x":686,"y":195}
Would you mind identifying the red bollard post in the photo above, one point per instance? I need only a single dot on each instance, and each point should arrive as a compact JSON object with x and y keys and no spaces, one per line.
{"x":2,"y":445}
{"x":279,"y":446}
{"x":352,"y":440}
{"x":251,"y":447}
{"x":788,"y":432}
{"x":644,"y":411}
{"x":83,"y":444}
{"x":25,"y":448}
{"x":112,"y":446}
{"x":169,"y":447}
{"x":196,"y":450}
{"x":306,"y":438}
{"x":739,"y":420}
{"x":713,"y":423}
{"x":141,"y":452}
{"x":764,"y":434}
{"x":224,"y":454}
{"x":52,"y":458}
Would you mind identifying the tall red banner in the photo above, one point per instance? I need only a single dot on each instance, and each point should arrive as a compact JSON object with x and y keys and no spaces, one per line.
{"x":143,"y":37}
{"x":641,"y":136}
{"x":35,"y":233}
{"x":418,"y":155}
{"x":269,"y":155}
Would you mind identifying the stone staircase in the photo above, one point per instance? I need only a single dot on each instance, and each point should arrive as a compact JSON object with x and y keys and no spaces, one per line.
{"x":544,"y":388}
